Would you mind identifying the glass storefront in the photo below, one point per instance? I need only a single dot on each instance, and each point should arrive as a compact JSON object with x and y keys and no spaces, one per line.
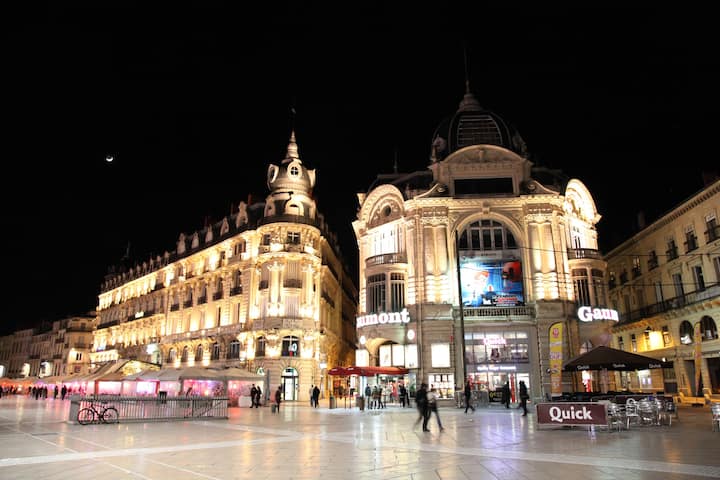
{"x":494,"y":357}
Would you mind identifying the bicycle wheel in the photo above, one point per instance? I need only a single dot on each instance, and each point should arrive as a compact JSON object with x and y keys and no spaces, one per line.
{"x":110,"y":415}
{"x":86,"y":416}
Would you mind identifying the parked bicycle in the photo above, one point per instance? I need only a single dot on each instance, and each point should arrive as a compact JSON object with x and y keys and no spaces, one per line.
{"x":98,"y":414}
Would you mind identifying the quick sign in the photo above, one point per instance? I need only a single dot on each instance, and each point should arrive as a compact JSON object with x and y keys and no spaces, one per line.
{"x":566,"y":413}
{"x":588,"y":314}
{"x":383,"y":318}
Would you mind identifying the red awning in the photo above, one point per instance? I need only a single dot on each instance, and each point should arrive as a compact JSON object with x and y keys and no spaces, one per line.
{"x":367,"y":371}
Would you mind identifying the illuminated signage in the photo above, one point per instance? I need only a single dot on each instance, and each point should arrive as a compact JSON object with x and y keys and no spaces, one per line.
{"x":493,"y":283}
{"x":588,"y":314}
{"x":383,"y":318}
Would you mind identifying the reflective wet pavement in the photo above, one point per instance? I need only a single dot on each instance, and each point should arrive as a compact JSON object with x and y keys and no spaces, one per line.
{"x":37,"y":442}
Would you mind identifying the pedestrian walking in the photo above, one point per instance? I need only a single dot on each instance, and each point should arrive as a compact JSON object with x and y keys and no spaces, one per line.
{"x":421,"y":398}
{"x":316,"y":396}
{"x":523,"y":397}
{"x":368,"y":397}
{"x":258,"y":396}
{"x":432,"y":398}
{"x":253,"y":395}
{"x":468,"y":397}
{"x":278,"y":398}
{"x":505,"y":396}
{"x":403,"y":396}
{"x":310,"y":395}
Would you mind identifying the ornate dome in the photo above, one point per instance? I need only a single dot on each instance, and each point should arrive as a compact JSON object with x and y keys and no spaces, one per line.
{"x":474,"y":125}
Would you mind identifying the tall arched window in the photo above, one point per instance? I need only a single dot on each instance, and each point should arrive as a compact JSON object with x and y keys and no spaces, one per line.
{"x":184,"y":357}
{"x":708,"y":329}
{"x":199,"y":353}
{"x":486,"y":235}
{"x":686,"y":333}
{"x":260,"y":350}
{"x":172,"y":355}
{"x":234,"y":351}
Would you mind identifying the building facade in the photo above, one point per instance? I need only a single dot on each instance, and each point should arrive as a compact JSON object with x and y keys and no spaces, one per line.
{"x":665,"y":282}
{"x":468,"y":268}
{"x":265,"y":289}
{"x":61,"y":348}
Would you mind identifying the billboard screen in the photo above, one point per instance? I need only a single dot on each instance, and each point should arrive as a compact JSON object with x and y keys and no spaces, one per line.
{"x":491,"y":282}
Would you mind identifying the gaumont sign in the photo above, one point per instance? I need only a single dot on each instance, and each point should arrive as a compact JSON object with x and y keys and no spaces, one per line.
{"x":569,"y":413}
{"x":588,"y":314}
{"x":383,"y":318}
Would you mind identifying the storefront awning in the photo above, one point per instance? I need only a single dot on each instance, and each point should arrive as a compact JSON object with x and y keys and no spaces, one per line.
{"x":367,"y":371}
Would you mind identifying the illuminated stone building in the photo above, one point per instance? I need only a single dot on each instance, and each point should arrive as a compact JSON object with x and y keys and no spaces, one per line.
{"x":665,"y":282}
{"x":264,"y":289}
{"x":484,"y":225}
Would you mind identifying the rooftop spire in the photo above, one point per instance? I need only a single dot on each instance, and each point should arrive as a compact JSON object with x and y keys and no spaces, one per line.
{"x":469,"y":102}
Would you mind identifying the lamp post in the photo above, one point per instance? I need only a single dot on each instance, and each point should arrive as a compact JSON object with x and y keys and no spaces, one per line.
{"x":460,"y":302}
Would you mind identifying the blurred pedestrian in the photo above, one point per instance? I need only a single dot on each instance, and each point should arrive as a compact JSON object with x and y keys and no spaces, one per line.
{"x":523,"y":397}
{"x":421,"y":398}
{"x":278,"y":398}
{"x":432,"y":398}
{"x":468,"y":397}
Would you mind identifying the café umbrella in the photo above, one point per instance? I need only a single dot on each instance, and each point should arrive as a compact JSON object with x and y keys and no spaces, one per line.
{"x":604,"y":359}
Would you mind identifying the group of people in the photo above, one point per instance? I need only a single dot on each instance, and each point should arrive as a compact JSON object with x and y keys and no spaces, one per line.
{"x":255,"y":396}
{"x":426,"y":403}
{"x":377,"y":395}
{"x":314,"y":394}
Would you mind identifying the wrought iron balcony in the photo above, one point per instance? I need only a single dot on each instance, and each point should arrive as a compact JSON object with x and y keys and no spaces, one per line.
{"x":386,"y":258}
{"x":581,"y":253}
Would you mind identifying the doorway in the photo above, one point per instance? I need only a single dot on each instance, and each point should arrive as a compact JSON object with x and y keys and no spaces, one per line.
{"x":291,"y":384}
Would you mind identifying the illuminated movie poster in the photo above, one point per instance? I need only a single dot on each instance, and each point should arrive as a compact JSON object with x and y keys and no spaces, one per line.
{"x":491,"y":282}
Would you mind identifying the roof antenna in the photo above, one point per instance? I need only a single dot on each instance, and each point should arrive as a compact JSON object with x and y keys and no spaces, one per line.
{"x":467,"y":75}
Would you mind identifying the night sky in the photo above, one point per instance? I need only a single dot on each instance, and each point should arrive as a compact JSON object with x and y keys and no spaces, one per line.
{"x":193,"y":103}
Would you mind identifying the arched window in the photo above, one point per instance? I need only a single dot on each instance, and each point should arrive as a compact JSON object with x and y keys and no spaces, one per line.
{"x":215,"y":355}
{"x":686,"y":333}
{"x":172,"y":355}
{"x":290,"y":347}
{"x":184,"y":357}
{"x":199,"y":353}
{"x":486,"y":235}
{"x":708,"y":329}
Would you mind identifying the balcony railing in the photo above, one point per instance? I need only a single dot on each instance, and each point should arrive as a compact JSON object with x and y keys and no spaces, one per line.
{"x":688,"y":299}
{"x":386,"y":258}
{"x":580,"y":253}
{"x":671,"y":253}
{"x":235,"y":290}
{"x":499,"y":312}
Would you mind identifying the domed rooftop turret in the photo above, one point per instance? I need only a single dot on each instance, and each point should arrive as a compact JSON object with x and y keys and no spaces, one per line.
{"x":290,"y":185}
{"x":474,"y":125}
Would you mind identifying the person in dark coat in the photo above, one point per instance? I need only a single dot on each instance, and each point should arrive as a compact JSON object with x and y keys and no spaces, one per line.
{"x":468,"y":397}
{"x":253,"y":394}
{"x":523,"y":397}
{"x":278,"y":397}
{"x":422,"y":406}
{"x":505,"y":398}
{"x":258,"y":396}
{"x":316,"y":396}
